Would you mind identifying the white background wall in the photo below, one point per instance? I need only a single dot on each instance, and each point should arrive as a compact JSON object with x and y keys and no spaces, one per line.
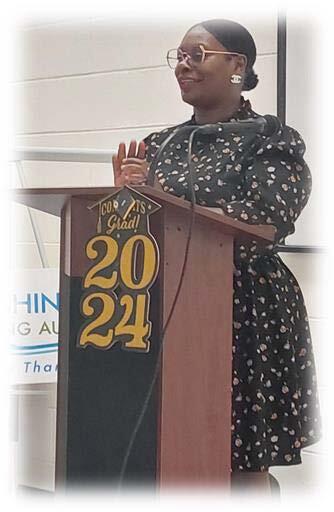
{"x":93,"y":84}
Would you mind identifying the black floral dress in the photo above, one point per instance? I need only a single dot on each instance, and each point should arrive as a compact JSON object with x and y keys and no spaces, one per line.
{"x":275,"y":410}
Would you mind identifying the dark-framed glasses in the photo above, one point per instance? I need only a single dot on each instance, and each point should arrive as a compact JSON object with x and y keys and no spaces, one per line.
{"x":194,"y":57}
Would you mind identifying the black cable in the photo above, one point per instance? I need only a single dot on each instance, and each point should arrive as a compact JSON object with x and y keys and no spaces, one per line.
{"x":157,"y":366}
{"x":182,"y":128}
{"x":251,"y":138}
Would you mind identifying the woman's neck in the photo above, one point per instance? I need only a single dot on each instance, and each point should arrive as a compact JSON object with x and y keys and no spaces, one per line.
{"x":216,"y":114}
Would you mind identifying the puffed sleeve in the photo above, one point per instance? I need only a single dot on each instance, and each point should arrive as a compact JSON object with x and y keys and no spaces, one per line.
{"x":277,"y":184}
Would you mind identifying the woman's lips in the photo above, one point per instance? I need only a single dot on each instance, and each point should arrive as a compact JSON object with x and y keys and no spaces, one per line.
{"x":187,"y":83}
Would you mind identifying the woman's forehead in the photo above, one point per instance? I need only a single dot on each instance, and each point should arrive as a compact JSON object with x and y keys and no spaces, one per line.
{"x":198,"y":35}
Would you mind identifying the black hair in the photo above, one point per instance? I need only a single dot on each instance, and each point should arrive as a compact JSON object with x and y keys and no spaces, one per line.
{"x":235,"y":38}
{"x":251,"y":80}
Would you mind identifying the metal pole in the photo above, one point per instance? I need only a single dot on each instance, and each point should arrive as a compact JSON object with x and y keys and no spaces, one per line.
{"x":281,"y":66}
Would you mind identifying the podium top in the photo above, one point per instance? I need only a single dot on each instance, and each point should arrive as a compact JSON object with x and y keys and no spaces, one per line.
{"x":53,"y":200}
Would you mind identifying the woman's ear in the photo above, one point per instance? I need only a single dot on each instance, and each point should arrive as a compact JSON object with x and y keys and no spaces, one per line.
{"x":240,"y":64}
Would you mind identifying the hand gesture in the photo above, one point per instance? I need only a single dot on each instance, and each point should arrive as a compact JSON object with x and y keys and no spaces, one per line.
{"x":130,"y":169}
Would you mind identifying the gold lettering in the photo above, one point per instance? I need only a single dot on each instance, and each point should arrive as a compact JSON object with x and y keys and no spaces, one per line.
{"x":142,"y":207}
{"x":112,"y":224}
{"x":88,"y":309}
{"x":115,"y":222}
{"x":140,"y":329}
{"x":136,"y":206}
{"x":128,"y":262}
{"x":108,"y":207}
{"x":109,"y":253}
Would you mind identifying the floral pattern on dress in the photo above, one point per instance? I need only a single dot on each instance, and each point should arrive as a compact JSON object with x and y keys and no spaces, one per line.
{"x":257,"y":180}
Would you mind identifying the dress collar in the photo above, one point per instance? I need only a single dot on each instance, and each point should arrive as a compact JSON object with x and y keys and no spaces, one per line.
{"x":244,"y":111}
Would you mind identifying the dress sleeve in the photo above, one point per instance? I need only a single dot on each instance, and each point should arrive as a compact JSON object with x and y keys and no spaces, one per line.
{"x":277,"y":184}
{"x":153,"y":142}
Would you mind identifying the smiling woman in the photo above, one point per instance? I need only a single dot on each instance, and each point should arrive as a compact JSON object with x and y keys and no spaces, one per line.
{"x":208,"y":86}
{"x":258,"y":179}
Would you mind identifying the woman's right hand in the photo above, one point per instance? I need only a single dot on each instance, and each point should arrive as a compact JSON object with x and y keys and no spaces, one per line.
{"x":131,"y":168}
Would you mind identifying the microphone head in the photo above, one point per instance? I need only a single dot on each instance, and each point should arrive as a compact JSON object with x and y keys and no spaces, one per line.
{"x":209,"y":129}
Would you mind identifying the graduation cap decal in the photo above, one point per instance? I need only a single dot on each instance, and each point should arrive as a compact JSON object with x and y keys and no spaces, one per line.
{"x":125,"y":263}
{"x":124,"y":205}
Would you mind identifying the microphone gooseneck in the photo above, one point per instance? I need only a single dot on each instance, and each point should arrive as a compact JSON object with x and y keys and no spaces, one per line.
{"x":263,"y":125}
{"x":151,"y":172}
{"x":170,"y":315}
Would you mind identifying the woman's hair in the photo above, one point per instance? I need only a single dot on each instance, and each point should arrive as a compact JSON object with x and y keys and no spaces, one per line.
{"x":251,"y":80}
{"x":235,"y":38}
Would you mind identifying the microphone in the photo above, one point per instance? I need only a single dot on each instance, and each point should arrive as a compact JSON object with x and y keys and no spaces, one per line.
{"x":264,"y":125}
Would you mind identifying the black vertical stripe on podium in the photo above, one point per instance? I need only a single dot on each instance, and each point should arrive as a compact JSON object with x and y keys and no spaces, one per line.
{"x":106,"y":390}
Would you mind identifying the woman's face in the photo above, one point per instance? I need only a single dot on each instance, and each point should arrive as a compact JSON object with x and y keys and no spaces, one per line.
{"x":207,"y":84}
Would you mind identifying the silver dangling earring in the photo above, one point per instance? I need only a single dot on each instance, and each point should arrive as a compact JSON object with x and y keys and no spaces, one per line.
{"x":235,"y":79}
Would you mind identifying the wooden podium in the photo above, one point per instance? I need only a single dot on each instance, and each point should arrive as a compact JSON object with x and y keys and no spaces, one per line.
{"x":185,"y":435}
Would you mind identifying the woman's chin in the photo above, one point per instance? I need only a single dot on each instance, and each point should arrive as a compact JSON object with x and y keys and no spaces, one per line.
{"x":187,"y":97}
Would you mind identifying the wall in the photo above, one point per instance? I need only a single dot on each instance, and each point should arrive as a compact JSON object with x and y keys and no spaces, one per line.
{"x":302,"y":113}
{"x":91,"y":85}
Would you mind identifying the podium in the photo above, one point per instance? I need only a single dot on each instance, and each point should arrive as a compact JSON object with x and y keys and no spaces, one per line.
{"x":185,"y":436}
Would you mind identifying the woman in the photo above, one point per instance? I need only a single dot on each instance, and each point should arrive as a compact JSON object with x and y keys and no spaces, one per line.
{"x":258,"y":180}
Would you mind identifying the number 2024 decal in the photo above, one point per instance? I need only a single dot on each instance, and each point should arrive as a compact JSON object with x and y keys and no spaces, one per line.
{"x":116,"y":295}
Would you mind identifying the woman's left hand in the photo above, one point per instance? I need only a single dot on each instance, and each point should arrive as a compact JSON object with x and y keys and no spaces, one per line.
{"x":130,"y":169}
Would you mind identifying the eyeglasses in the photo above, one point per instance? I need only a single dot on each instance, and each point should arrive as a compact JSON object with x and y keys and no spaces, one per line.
{"x":195,"y":57}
